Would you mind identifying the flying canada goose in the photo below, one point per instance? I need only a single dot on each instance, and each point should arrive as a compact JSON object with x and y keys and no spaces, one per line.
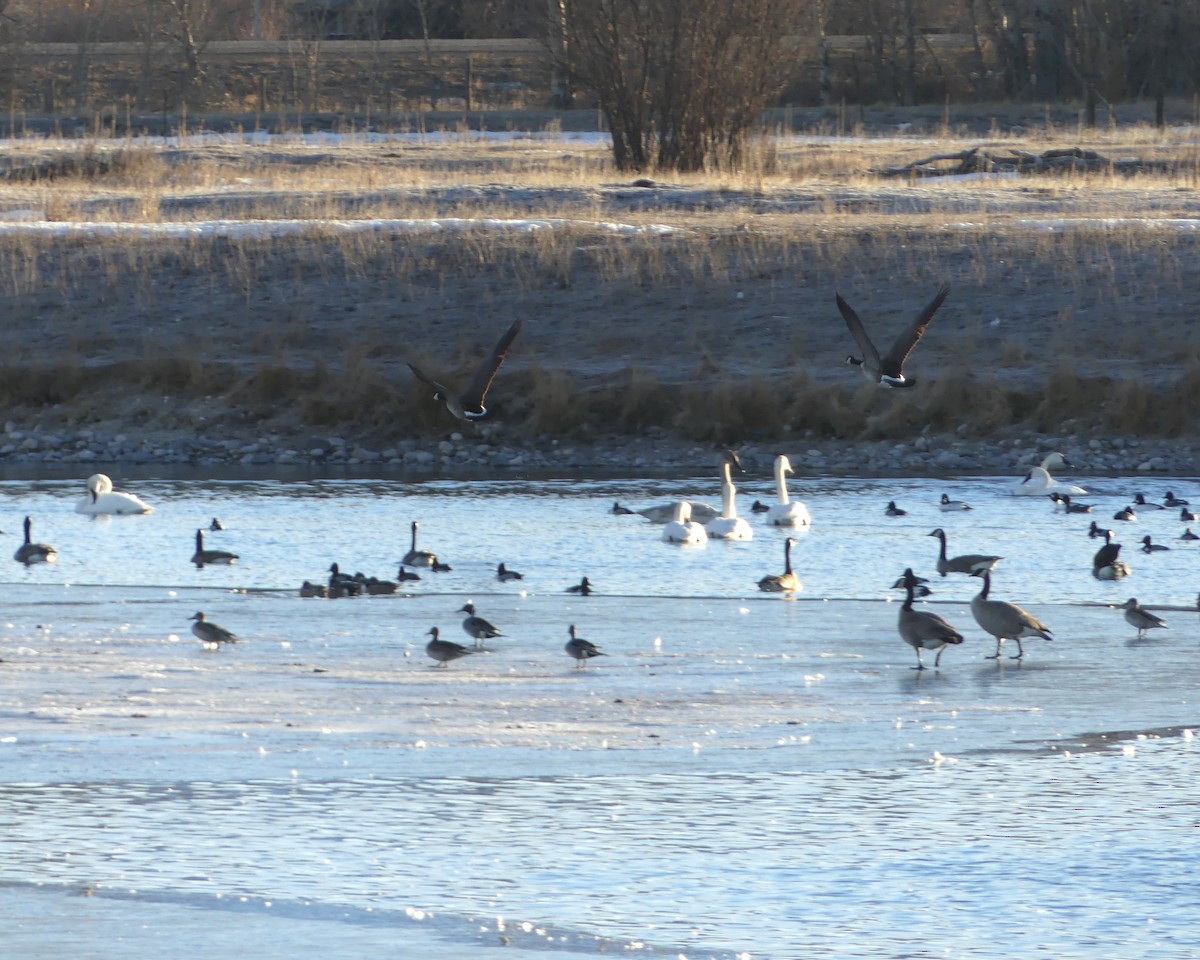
{"x":210,"y":633}
{"x":918,"y":583}
{"x":920,"y":629}
{"x":30,"y":553}
{"x":1140,"y":501}
{"x":405,"y":576}
{"x":1138,"y":616}
{"x":1149,"y":546}
{"x":583,"y":588}
{"x":946,"y":505}
{"x":1188,"y":535}
{"x":1068,"y":507}
{"x":891,"y":510}
{"x":970,"y":563}
{"x":888,"y":371}
{"x":785,"y":512}
{"x":1186,"y":515}
{"x":786,"y":582}
{"x":443,"y":651}
{"x":1039,"y":483}
{"x":309,"y":589}
{"x":1105,"y":564}
{"x":415,"y":557}
{"x":475,"y":626}
{"x":102,"y":500}
{"x":1170,"y":500}
{"x":504,"y":575}
{"x":683,"y":530}
{"x":469,"y":404}
{"x":620,"y":511}
{"x":216,"y":525}
{"x":202,"y":556}
{"x":1126,"y":514}
{"x":1003,"y":620}
{"x":582,"y":650}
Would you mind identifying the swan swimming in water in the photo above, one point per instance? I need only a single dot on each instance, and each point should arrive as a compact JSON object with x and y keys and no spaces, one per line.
{"x":101,"y":499}
{"x":728,"y":526}
{"x":683,"y":529}
{"x":1039,"y":483}
{"x":785,"y":512}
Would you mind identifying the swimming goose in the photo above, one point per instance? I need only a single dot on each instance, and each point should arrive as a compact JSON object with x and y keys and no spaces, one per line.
{"x":891,"y":510}
{"x":102,"y":500}
{"x":406,"y":575}
{"x":1188,"y":535}
{"x":1140,"y":501}
{"x":947,"y":505}
{"x":1068,"y":507}
{"x":1170,"y":500}
{"x":920,"y":629}
{"x":216,"y":525}
{"x":476,"y":627}
{"x":210,"y":633}
{"x":969,"y":563}
{"x":620,"y":511}
{"x":1125,"y":514}
{"x":1149,"y":546}
{"x":1186,"y":515}
{"x":1138,"y":616}
{"x":443,"y":651}
{"x":202,"y":556}
{"x":583,"y":588}
{"x":786,"y":582}
{"x":728,"y":526}
{"x":469,"y":404}
{"x":415,"y":557}
{"x":785,"y":512}
{"x":1105,"y":564}
{"x":683,"y":529}
{"x":582,"y":650}
{"x":1003,"y":620}
{"x":30,"y":553}
{"x":888,"y":371}
{"x":504,"y":575}
{"x":1039,"y":483}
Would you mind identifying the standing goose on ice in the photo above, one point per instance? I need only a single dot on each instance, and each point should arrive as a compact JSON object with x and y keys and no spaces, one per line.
{"x":785,"y":512}
{"x":469,"y":404}
{"x":921,"y":629}
{"x":969,"y":563}
{"x":101,"y":499}
{"x":209,"y":633}
{"x":202,"y":556}
{"x":582,"y":650}
{"x":1003,"y":620}
{"x":1138,"y":616}
{"x":786,"y":582}
{"x":30,"y":553}
{"x":888,"y":371}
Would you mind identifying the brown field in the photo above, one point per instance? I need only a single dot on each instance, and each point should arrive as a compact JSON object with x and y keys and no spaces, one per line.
{"x":723,"y":330}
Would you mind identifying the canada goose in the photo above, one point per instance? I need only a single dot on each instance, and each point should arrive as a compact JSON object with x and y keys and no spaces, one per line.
{"x":405,"y":576}
{"x":1039,"y":483}
{"x":969,"y":563}
{"x":1003,"y":620}
{"x":759,"y":507}
{"x":785,"y":512}
{"x":308,"y":589}
{"x":583,"y":588}
{"x":1188,"y":535}
{"x":1105,"y":564}
{"x":582,"y":650}
{"x":728,"y":526}
{"x":888,"y":371}
{"x":415,"y":557}
{"x":469,"y":404}
{"x":102,"y":500}
{"x":683,"y":530}
{"x":210,"y":633}
{"x":621,"y":511}
{"x":475,"y":626}
{"x":1186,"y":515}
{"x":504,"y":575}
{"x":1170,"y":500}
{"x":1140,"y":501}
{"x":202,"y":556}
{"x":891,"y":510}
{"x":920,"y":629}
{"x":786,"y":582}
{"x":1125,"y":514}
{"x":1068,"y":506}
{"x":1149,"y":546}
{"x":946,"y":505}
{"x":1138,"y":616}
{"x":30,"y":553}
{"x":443,"y":651}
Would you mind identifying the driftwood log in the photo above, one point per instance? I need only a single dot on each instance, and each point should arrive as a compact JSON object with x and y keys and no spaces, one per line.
{"x":1064,"y":160}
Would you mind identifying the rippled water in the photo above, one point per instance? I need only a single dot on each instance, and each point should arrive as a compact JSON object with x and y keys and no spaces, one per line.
{"x":741,"y":775}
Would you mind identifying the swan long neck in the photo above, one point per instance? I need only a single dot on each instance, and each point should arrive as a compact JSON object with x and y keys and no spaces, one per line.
{"x":780,"y":482}
{"x":728,"y":510}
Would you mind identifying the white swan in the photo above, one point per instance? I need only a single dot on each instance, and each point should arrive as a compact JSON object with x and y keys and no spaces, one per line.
{"x":1039,"y":483}
{"x":683,"y":529}
{"x":102,"y":499}
{"x":728,"y":526}
{"x":784,"y":512}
